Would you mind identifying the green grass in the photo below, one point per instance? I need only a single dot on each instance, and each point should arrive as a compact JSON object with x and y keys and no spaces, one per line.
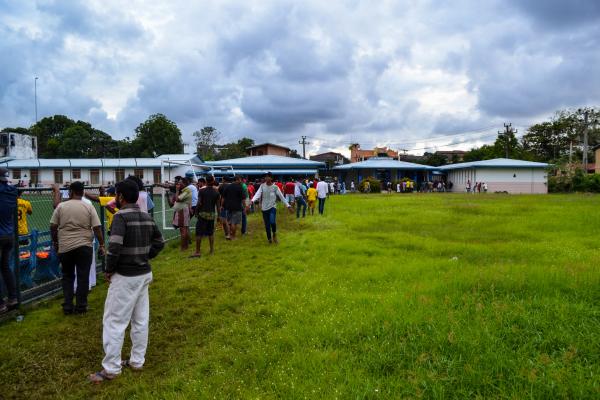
{"x":386,"y":296}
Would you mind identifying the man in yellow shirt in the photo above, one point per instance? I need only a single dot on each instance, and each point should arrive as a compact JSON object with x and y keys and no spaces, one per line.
{"x":23,"y":209}
{"x":106,"y":200}
{"x":311,"y":196}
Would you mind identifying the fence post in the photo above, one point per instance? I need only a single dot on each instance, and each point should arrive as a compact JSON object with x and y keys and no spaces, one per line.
{"x":17,"y":253}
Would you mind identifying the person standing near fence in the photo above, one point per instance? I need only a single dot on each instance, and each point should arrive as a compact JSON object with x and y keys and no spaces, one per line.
{"x":23,"y":210}
{"x":134,"y":240}
{"x":8,"y":206}
{"x":71,"y":228}
{"x":268,"y":193}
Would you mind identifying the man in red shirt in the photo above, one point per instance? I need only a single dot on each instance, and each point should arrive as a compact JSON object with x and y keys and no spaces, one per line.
{"x":289,"y":190}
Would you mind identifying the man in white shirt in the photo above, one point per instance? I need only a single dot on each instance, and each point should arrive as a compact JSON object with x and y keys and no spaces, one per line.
{"x":322,"y":190}
{"x":267,"y":194}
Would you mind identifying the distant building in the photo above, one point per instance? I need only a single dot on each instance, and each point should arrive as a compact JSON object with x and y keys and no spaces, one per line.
{"x":500,"y":175}
{"x":331,"y":159}
{"x":98,"y":171}
{"x":17,"y":146}
{"x":268,"y":149}
{"x":255,"y":166}
{"x":357,"y":154}
{"x":452,"y":155}
{"x":385,"y":169}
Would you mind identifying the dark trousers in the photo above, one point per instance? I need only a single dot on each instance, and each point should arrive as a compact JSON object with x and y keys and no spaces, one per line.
{"x":270,"y":219}
{"x":6,"y":245}
{"x":300,"y":202}
{"x":244,"y":222}
{"x":79,"y":259}
{"x":322,"y":205}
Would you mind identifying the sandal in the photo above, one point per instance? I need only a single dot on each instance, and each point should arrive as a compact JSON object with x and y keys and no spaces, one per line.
{"x":127,"y":364}
{"x":101,"y":376}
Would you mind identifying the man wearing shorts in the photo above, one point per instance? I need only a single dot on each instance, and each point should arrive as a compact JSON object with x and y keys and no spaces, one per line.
{"x":206,"y":211}
{"x":233,"y":199}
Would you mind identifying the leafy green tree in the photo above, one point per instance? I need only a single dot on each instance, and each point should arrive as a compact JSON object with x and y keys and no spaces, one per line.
{"x":48,"y":131}
{"x":206,"y":141}
{"x":234,"y":149}
{"x":22,"y":131}
{"x":157,"y":135}
{"x":434,"y":160}
{"x":75,"y":143}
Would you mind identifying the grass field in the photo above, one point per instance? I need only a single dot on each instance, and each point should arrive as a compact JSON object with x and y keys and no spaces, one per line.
{"x":386,"y":296}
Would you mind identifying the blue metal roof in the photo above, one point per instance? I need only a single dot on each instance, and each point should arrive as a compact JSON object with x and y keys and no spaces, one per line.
{"x":86,"y":163}
{"x":495,"y":163}
{"x":384,"y":163}
{"x":267,"y":162}
{"x":242,"y":171}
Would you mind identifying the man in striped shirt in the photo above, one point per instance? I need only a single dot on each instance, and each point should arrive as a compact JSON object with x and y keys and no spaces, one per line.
{"x":134,"y":239}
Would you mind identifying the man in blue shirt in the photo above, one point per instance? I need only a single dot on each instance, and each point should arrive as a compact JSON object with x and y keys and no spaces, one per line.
{"x":8,"y":206}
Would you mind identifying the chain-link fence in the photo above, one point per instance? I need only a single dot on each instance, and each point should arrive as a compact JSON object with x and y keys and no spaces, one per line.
{"x":35,"y":263}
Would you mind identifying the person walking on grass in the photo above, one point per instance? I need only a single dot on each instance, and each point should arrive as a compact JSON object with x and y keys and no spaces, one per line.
{"x":23,"y":210}
{"x":134,"y":240}
{"x":322,"y":191}
{"x":181,"y":203}
{"x":8,"y":205}
{"x":299,"y":194}
{"x":267,"y":194}
{"x":311,"y":196}
{"x":206,"y":212}
{"x":73,"y":226}
{"x":233,"y":203}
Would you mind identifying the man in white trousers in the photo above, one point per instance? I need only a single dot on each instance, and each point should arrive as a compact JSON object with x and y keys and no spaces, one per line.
{"x":134,"y":239}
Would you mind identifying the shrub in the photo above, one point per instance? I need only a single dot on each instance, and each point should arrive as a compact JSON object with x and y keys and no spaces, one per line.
{"x":375,"y":185}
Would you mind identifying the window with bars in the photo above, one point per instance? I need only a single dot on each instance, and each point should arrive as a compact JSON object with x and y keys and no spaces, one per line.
{"x":76,"y":173}
{"x":139,"y":173}
{"x":119,"y":174}
{"x":16,"y":173}
{"x":58,"y":176}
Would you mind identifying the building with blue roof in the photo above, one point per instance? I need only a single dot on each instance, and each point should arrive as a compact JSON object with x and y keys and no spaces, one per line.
{"x":499,"y":175}
{"x":255,"y":166}
{"x":385,"y":169}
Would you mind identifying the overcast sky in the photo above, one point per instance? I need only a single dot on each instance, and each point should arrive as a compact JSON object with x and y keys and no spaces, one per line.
{"x":397,"y":73}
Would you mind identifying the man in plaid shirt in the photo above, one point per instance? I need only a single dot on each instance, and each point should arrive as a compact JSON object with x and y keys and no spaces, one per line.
{"x":134,"y":239}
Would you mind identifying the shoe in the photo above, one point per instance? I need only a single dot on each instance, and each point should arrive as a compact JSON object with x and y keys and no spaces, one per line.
{"x":127,"y":364}
{"x":80,"y":311}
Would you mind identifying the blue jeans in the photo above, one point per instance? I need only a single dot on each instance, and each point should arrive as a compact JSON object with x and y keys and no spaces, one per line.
{"x":322,"y":205}
{"x":300,"y":202}
{"x":269,"y":217}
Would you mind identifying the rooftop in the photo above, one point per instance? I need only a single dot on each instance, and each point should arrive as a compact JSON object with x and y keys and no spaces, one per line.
{"x":495,"y":163}
{"x":268,"y":161}
{"x":267,"y":144}
{"x":383,"y":163}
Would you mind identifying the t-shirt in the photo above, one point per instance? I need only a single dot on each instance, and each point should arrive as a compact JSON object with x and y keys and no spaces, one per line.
{"x":322,"y":189}
{"x":208,"y":199}
{"x":233,"y":197}
{"x":194,"y":191}
{"x":23,"y":208}
{"x":184,"y":200}
{"x":104,"y":201}
{"x":75,"y":220}
{"x":268,"y":194}
{"x":8,"y":203}
{"x":311,"y":194}
{"x":280,"y":186}
{"x":289,"y":188}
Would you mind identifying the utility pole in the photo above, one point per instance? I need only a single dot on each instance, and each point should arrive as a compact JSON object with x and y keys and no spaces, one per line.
{"x":585,"y":140}
{"x":35,"y":97}
{"x":303,"y":142}
{"x":507,"y":131}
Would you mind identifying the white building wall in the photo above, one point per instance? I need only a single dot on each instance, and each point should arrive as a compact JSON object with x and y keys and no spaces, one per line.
{"x":511,"y":180}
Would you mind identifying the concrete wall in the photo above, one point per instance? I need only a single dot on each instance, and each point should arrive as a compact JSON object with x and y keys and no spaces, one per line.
{"x":106,"y":176}
{"x":21,"y":147}
{"x":511,"y":180}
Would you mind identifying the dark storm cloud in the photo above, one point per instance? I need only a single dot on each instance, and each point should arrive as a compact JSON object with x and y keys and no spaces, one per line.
{"x":341,"y":70}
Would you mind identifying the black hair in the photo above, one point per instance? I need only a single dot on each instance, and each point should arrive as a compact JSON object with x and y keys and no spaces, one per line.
{"x":137,"y":181}
{"x":210,"y":180}
{"x":203,"y":180}
{"x":185,"y":181}
{"x":129,"y":190}
{"x":238,"y":177}
{"x":76,"y":188}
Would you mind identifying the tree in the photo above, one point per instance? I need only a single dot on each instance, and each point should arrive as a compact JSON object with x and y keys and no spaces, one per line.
{"x":234,"y":149}
{"x":434,"y":159}
{"x":22,"y":131}
{"x":157,"y":135}
{"x":75,"y":143}
{"x":206,"y":141}
{"x":294,"y":154}
{"x":48,"y":132}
